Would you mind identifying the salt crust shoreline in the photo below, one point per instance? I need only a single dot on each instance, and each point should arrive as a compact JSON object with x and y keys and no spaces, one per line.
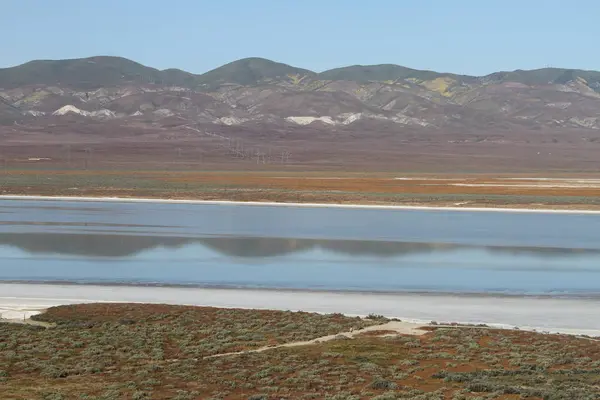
{"x":304,"y":205}
{"x":566,"y":316}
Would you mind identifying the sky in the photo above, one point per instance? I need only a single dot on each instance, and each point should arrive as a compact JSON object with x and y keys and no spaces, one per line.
{"x":473,"y":37}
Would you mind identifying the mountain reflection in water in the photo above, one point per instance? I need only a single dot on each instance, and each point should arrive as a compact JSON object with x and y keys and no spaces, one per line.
{"x":102,"y":245}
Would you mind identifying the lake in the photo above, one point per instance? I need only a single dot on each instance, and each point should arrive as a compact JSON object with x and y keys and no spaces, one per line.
{"x":291,"y":247}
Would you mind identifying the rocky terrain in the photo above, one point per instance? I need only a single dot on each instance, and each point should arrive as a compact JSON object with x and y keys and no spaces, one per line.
{"x":266,"y":112}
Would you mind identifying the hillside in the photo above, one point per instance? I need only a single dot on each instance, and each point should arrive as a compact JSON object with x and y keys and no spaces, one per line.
{"x":383,"y":73}
{"x":255,"y":103}
{"x":250,"y":71}
{"x":546,"y":76}
{"x":84,"y":73}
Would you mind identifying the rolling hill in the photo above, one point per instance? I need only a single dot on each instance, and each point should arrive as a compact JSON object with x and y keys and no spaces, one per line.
{"x":371,"y":108}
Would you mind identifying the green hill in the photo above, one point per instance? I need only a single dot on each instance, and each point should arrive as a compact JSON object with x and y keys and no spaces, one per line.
{"x":249,"y":71}
{"x":90,"y":72}
{"x":382,"y":72}
{"x":545,"y":76}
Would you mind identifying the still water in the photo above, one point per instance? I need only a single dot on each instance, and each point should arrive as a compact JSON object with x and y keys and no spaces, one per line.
{"x":300,"y":247}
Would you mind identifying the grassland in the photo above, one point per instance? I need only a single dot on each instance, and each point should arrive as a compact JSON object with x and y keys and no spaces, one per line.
{"x":127,"y":351}
{"x":564,"y":191}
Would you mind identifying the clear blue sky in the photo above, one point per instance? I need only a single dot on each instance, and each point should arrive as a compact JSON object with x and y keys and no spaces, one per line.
{"x":469,"y":36}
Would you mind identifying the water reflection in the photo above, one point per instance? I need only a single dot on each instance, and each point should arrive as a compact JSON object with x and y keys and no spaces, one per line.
{"x":296,"y":263}
{"x":99,"y":245}
{"x":88,"y":245}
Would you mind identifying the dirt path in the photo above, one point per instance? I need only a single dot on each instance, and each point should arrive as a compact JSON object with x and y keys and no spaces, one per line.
{"x":403,"y":328}
{"x":398,"y":327}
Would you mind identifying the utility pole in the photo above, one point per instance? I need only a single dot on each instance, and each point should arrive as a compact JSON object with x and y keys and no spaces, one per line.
{"x":260,"y":155}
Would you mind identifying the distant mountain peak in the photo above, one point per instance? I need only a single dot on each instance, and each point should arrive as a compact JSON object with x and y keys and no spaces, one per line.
{"x":380,"y":72}
{"x":249,"y":71}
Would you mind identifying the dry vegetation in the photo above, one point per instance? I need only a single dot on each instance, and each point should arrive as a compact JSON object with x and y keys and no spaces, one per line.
{"x":562,"y":191}
{"x":131,"y":351}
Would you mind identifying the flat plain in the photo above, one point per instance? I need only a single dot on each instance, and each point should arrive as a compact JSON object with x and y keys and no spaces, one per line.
{"x":556,"y":191}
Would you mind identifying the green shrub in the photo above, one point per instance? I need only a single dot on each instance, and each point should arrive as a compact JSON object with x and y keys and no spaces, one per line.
{"x":381,"y":384}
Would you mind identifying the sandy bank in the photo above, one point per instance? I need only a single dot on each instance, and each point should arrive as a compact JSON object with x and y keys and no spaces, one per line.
{"x":572,"y":316}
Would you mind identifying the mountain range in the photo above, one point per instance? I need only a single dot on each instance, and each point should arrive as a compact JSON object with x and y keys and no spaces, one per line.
{"x":256,"y":99}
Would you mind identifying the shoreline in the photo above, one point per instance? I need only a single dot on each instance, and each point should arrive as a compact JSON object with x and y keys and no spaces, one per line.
{"x":548,"y":315}
{"x":292,"y":204}
{"x":429,"y":293}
